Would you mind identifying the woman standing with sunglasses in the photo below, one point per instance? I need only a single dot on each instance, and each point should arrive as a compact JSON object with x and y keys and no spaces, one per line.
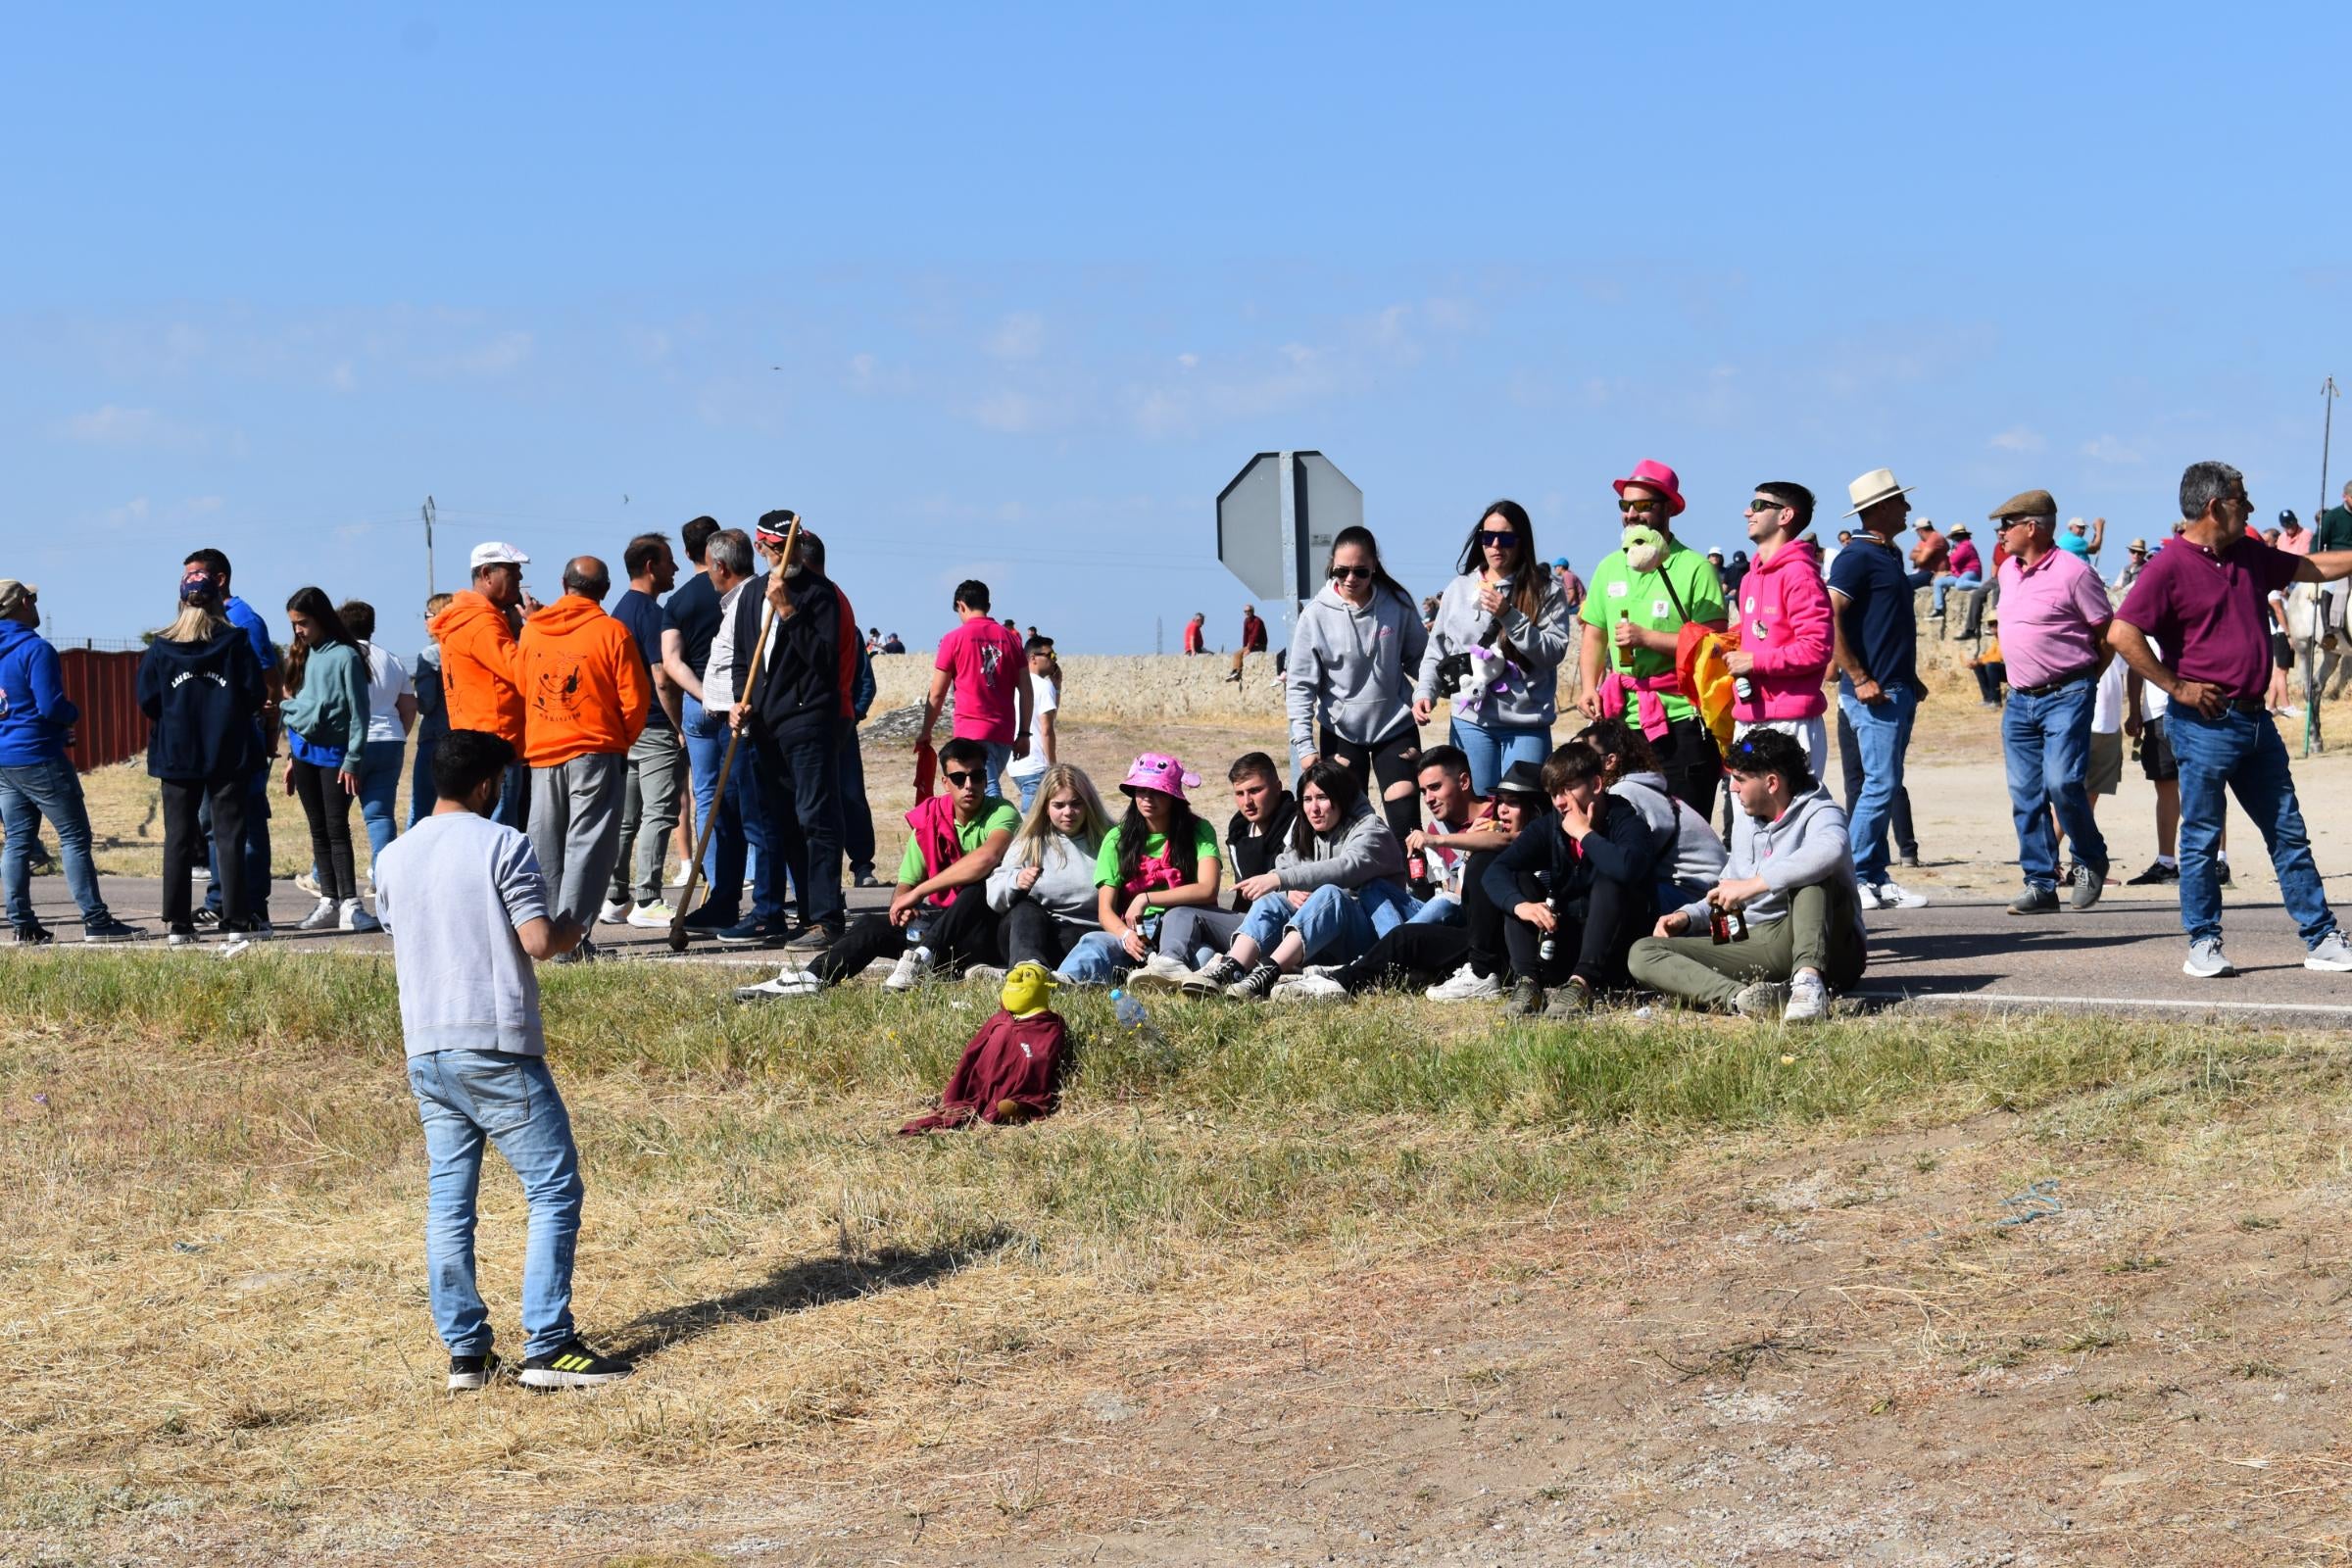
{"x":1349,"y":686}
{"x":1504,"y":607}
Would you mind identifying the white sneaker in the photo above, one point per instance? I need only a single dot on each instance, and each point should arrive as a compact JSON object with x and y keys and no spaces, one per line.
{"x":1324,"y":971}
{"x":325,"y":917}
{"x":238,"y":942}
{"x":2206,"y":961}
{"x":1808,"y":1000}
{"x":1310,"y":988}
{"x":677,"y":879}
{"x":2331,"y":953}
{"x":789,"y":982}
{"x":1866,"y":895}
{"x":180,"y":939}
{"x":307,"y":883}
{"x":1161,"y":969}
{"x":1466,"y":984}
{"x":1894,"y":896}
{"x":908,"y":972}
{"x":355,"y":918}
{"x":983,"y":974}
{"x":654,"y":916}
{"x":615,"y":912}
{"x":1762,"y":998}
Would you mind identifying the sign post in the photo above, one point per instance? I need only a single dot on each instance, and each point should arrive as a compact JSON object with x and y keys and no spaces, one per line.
{"x":1276,"y":521}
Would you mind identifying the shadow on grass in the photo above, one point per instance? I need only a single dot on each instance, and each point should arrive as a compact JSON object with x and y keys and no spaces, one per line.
{"x":800,"y":1286}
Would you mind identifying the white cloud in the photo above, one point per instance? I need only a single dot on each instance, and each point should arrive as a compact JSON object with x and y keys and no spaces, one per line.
{"x":132,"y":511}
{"x":1019,"y":336}
{"x":1189,"y":361}
{"x":2109,"y":450}
{"x":2017,"y":438}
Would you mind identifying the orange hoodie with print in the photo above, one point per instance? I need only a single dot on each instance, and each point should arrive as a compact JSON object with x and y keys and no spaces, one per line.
{"x":584,"y":685}
{"x":480,"y":676}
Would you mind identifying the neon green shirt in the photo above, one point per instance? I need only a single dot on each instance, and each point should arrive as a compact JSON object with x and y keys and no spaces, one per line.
{"x":1000,"y":817}
{"x":1647,"y":598}
{"x":1154,"y":869}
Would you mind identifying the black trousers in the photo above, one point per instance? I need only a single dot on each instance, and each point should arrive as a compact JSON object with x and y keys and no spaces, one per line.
{"x":1596,"y":932}
{"x":1390,"y":761}
{"x":184,"y":801}
{"x":1414,"y":955}
{"x":328,"y":807}
{"x":961,"y":933}
{"x":800,"y":794}
{"x":1028,"y":933}
{"x":1693,"y":767}
{"x":1849,"y":761}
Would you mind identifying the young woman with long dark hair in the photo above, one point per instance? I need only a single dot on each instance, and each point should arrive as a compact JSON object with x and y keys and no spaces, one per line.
{"x":1159,"y":856}
{"x":325,"y":716}
{"x":1507,"y":623}
{"x":1348,"y":684}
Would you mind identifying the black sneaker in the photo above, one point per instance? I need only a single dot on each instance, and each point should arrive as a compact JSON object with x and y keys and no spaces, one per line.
{"x":814,"y":938}
{"x":1526,"y":999}
{"x":2221,"y":877}
{"x":1571,"y":1000}
{"x":468,"y":1373}
{"x":110,"y":929}
{"x":1220,"y":973}
{"x":575,"y":1366}
{"x":34,"y":936}
{"x":865,"y":879}
{"x":1258,"y":985}
{"x":207,"y":918}
{"x":2156,"y":875}
{"x":709,"y":918}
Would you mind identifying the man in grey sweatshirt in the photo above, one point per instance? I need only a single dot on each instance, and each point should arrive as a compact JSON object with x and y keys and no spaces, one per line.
{"x":1790,"y":878}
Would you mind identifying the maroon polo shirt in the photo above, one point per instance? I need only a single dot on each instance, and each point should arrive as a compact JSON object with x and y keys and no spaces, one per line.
{"x":2209,"y":613}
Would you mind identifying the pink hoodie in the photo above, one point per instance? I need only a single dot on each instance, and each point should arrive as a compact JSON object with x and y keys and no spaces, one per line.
{"x":1783,"y":622}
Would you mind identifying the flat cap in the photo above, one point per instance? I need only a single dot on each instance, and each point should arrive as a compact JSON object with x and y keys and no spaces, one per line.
{"x":2026,"y":503}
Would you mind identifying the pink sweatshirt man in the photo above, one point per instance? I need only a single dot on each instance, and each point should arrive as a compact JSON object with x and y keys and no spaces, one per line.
{"x":1783,"y":622}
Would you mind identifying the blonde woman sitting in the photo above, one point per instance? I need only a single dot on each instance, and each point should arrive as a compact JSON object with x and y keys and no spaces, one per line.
{"x":1043,"y":888}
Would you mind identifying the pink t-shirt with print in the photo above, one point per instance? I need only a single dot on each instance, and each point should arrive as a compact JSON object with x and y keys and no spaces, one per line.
{"x":988,"y":665}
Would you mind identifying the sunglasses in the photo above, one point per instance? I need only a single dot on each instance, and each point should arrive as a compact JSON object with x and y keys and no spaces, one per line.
{"x":1645,"y":504}
{"x":1350,"y":573}
{"x":1498,"y":538}
{"x":965,"y":781}
{"x":1762,"y":505}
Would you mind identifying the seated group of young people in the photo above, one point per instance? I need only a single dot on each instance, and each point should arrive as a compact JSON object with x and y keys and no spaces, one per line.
{"x":1579,"y":876}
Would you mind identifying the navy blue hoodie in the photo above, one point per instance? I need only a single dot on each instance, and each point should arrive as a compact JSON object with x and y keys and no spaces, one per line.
{"x":35,"y":713}
{"x":202,"y":698}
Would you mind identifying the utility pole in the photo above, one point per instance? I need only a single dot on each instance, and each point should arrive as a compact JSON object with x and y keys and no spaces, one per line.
{"x":430,"y":587}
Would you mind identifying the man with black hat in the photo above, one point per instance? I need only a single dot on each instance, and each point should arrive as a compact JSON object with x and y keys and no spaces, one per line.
{"x":2054,"y":615}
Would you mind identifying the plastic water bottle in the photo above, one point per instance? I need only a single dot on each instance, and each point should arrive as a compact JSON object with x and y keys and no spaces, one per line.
{"x":1136,"y":1022}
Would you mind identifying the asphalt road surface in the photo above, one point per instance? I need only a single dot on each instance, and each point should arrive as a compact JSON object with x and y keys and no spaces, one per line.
{"x":2123,"y":956}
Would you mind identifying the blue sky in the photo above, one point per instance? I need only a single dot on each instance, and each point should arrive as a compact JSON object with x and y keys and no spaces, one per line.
{"x":1013,"y":292}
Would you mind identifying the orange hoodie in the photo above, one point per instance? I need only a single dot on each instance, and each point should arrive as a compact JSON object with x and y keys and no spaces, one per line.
{"x":479,"y":672}
{"x":584,"y":684}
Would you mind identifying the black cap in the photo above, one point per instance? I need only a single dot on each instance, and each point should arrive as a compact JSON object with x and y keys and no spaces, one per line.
{"x":1524,"y":778}
{"x":2287,"y":516}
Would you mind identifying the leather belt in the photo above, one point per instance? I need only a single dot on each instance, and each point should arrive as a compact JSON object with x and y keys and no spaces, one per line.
{"x":2049,"y":686}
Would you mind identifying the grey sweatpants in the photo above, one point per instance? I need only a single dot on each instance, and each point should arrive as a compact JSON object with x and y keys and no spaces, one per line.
{"x":1199,"y":937}
{"x":649,"y":801}
{"x":1822,"y":931}
{"x":575,"y":830}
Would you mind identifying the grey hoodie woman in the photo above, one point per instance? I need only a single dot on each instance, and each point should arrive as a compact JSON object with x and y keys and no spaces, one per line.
{"x":1360,"y":847}
{"x":1690,"y":856}
{"x":1537,"y":646}
{"x":1354,"y":665}
{"x":1064,"y":887}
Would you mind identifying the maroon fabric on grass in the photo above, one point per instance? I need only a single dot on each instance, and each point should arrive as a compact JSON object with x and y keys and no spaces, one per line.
{"x":1020,"y":1059}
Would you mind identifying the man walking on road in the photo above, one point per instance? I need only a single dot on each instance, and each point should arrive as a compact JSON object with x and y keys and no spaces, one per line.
{"x":588,"y":695}
{"x":2204,"y":599}
{"x":2054,"y":617}
{"x":987,"y":669}
{"x":1878,"y":685}
{"x":656,"y":764}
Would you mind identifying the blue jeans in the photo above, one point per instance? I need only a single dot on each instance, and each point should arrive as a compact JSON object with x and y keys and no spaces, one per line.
{"x":256,"y":846}
{"x":740,"y":829}
{"x":1028,"y":783}
{"x":856,"y":811}
{"x":29,"y":795}
{"x":1333,"y":923}
{"x":1000,"y":758}
{"x":466,"y":1098}
{"x":2047,"y":743}
{"x":379,"y":783}
{"x":2242,"y":751}
{"x":422,"y":797}
{"x":1099,"y":959}
{"x":1492,"y":749}
{"x":1949,"y":581}
{"x":514,"y":796}
{"x":1882,"y":736}
{"x":1442,"y":909}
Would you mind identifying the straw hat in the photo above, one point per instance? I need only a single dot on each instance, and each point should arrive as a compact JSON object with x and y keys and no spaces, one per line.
{"x":1873,"y":487}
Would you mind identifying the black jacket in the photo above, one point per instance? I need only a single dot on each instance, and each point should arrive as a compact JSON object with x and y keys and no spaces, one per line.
{"x":1619,"y":848}
{"x":1253,"y":853}
{"x":810,"y":675}
{"x":203,"y":699}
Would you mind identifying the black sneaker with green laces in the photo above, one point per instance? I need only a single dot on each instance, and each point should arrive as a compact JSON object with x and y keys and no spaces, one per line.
{"x":573,"y":1366}
{"x":469,"y":1373}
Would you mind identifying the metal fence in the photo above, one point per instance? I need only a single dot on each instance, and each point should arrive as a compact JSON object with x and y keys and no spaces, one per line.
{"x":105,"y":685}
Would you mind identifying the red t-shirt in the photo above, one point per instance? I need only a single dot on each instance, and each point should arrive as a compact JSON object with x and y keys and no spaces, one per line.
{"x":2212,"y":615}
{"x":988,"y":666}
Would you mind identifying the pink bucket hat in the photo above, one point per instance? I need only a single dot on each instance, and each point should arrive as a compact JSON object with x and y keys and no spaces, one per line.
{"x":1157,"y":771}
{"x":1656,"y":476}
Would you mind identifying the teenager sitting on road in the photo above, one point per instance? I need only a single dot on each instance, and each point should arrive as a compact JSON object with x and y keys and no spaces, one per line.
{"x":1596,"y":864}
{"x":1192,"y":937}
{"x":1044,"y":889}
{"x":1160,"y":859}
{"x":1790,"y":879}
{"x":939,"y":918}
{"x":1466,"y":958}
{"x":1336,"y":888}
{"x":1689,"y":854}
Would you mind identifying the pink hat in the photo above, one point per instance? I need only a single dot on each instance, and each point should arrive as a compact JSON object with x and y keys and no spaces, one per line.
{"x":1655,"y":477}
{"x":1157,"y":771}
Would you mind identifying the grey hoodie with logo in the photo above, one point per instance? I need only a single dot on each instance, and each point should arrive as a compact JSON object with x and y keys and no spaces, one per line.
{"x":1807,"y":844}
{"x":1539,"y":644}
{"x":1356,"y":666}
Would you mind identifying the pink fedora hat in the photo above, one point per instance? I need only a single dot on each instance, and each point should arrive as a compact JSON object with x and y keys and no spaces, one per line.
{"x":1157,"y":771}
{"x":1656,"y":476}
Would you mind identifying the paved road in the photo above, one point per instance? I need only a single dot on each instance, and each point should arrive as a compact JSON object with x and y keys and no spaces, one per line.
{"x":2123,"y":956}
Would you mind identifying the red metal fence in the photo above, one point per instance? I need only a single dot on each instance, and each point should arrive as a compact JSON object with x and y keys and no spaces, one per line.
{"x":105,"y":686}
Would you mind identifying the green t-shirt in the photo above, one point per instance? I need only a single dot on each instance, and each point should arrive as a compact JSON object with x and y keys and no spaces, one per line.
{"x":1000,"y":817}
{"x":1642,"y":597}
{"x":1153,"y":869}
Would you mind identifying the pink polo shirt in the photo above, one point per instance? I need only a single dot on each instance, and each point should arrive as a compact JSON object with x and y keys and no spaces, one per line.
{"x":2052,"y":614}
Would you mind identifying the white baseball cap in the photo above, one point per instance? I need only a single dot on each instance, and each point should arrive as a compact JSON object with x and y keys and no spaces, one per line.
{"x":498,"y":553}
